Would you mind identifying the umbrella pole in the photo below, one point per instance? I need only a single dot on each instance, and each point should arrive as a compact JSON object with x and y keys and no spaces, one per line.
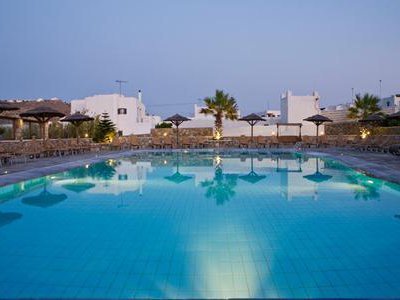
{"x":77,"y":133}
{"x":252,"y":133}
{"x":177,"y":136}
{"x":317,"y":135}
{"x":43,"y":132}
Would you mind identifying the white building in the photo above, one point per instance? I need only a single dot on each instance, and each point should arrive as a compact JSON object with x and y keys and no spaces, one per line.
{"x":272,"y":116}
{"x":391,"y":104}
{"x":128,"y":113}
{"x":293,"y":110}
{"x":296,"y":108}
{"x":230,"y":128}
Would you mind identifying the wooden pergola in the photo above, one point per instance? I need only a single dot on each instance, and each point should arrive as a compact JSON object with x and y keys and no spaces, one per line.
{"x":288,"y":124}
{"x":18,"y":122}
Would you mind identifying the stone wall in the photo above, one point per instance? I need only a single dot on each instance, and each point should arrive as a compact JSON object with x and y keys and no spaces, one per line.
{"x":354,"y":128}
{"x":160,"y":132}
{"x":145,"y":139}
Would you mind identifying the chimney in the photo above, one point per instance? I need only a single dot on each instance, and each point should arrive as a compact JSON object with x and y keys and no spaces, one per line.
{"x":140,"y":95}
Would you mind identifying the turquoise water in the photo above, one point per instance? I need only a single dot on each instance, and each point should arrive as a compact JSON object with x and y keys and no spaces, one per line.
{"x":201,"y":226}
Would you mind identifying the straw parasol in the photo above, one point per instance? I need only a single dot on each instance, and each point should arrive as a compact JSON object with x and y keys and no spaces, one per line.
{"x":42,"y":114}
{"x":177,"y":120}
{"x":252,"y":119}
{"x":395,"y":116}
{"x":374,"y":118}
{"x":6,"y":107}
{"x":77,"y":119}
{"x":317,"y":120}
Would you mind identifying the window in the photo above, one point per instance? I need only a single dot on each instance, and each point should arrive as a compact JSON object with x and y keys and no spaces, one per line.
{"x":120,"y":133}
{"x":388,"y":103}
{"x":122,"y":111}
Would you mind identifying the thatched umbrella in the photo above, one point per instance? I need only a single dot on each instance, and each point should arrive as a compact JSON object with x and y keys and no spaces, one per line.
{"x":395,"y":116}
{"x":374,"y":118}
{"x":177,"y":120}
{"x":317,"y":120}
{"x":4,"y":106}
{"x":42,"y":114}
{"x":252,"y":119}
{"x":77,"y":119}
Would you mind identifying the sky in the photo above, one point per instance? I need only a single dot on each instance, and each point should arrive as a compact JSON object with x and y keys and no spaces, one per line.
{"x":178,"y":52}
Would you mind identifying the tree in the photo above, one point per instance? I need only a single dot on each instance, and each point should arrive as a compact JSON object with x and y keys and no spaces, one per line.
{"x":164,"y":125}
{"x":220,"y":106}
{"x":55,"y":130}
{"x":364,"y":106}
{"x":104,"y":129}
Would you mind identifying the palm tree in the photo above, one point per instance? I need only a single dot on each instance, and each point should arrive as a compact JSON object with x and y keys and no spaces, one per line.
{"x":364,"y":106}
{"x":220,"y":106}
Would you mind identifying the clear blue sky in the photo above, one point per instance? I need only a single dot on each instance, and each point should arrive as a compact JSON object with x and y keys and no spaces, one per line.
{"x":180,"y":51}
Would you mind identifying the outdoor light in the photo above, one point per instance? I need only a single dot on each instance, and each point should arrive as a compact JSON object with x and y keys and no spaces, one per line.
{"x":87,"y":166}
{"x":165,"y":134}
{"x":217,"y":135}
{"x":364,"y":133}
{"x":86,"y":135}
{"x":273,"y":133}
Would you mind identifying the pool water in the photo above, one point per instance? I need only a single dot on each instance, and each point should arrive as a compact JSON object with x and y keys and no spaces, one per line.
{"x":190,"y":225}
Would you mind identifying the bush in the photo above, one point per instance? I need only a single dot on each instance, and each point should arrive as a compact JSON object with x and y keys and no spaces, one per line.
{"x":164,"y":125}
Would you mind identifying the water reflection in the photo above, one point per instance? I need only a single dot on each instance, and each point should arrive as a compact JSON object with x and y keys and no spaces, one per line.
{"x":177,"y":177}
{"x":257,"y":245}
{"x":252,"y":177}
{"x":283,"y":161}
{"x":105,"y":170}
{"x":222,"y":186}
{"x":44,"y":199}
{"x":365,"y":187}
{"x":317,"y":177}
{"x":101,"y":171}
{"x":7,"y":218}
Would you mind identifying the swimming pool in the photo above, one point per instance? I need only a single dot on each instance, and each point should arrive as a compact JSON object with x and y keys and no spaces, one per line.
{"x":201,"y":225}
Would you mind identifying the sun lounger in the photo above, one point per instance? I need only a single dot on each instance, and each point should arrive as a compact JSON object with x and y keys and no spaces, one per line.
{"x":134,"y":142}
{"x":261,"y":141}
{"x":244,"y":141}
{"x":167,"y":142}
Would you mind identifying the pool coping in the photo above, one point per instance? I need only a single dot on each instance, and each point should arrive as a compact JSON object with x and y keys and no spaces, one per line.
{"x":364,"y":166}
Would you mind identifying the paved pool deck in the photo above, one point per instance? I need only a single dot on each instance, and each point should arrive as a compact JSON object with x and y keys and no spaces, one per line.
{"x":380,"y":165}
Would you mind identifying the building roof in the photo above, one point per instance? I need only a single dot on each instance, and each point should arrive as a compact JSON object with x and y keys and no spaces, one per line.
{"x":26,"y":105}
